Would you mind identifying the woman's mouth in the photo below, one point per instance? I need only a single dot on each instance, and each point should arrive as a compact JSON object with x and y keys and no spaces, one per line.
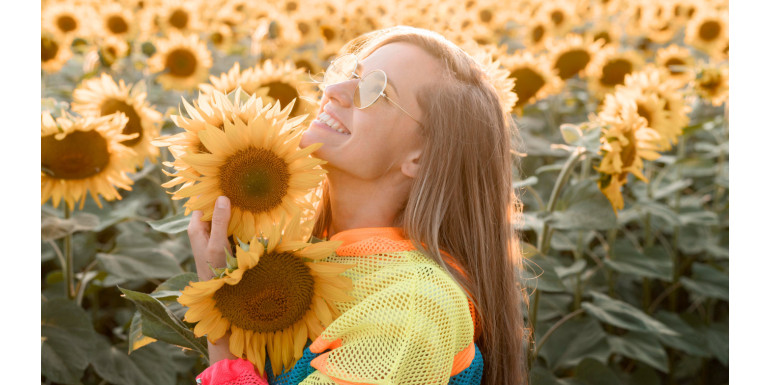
{"x":332,"y":123}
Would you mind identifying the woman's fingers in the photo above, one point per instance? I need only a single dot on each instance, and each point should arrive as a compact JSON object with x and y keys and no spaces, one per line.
{"x":198,"y":232}
{"x":219,"y":222}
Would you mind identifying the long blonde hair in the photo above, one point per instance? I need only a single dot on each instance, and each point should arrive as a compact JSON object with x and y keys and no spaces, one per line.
{"x":462,"y":201}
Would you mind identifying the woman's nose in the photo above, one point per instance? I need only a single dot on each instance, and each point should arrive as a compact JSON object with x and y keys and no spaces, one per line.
{"x":342,"y":92}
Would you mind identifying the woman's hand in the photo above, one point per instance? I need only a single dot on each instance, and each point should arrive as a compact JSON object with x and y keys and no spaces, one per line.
{"x":209,"y":239}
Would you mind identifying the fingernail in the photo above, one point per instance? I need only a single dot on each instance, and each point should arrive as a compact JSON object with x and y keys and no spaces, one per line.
{"x":222,"y":202}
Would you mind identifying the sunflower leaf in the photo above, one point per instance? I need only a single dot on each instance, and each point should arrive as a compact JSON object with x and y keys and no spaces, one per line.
{"x":624,"y":315}
{"x":67,"y":341}
{"x":135,"y":337}
{"x":640,"y":346}
{"x":172,"y":225}
{"x":160,"y":323}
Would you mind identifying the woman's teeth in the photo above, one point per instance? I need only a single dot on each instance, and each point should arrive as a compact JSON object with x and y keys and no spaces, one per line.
{"x":331,"y":122}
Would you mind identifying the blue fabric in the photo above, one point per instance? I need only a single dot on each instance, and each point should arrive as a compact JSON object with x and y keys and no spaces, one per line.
{"x":469,"y":376}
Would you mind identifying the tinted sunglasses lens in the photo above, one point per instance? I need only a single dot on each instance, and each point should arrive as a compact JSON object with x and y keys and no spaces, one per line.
{"x":341,"y":69}
{"x":369,"y":89}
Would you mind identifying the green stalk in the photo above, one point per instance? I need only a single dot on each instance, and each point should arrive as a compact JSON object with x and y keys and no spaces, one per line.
{"x":680,"y":154}
{"x":68,"y":268}
{"x":611,"y":235}
{"x":561,"y":181}
{"x":585,"y":166}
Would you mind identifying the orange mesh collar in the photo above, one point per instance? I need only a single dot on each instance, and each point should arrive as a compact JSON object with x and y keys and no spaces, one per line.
{"x":354,"y":235}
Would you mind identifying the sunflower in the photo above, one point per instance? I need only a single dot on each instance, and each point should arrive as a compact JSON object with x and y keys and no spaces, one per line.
{"x":604,"y":32}
{"x":54,"y":52}
{"x":571,"y":55}
{"x":277,"y":298}
{"x":102,"y":96}
{"x":117,"y":20}
{"x":496,"y":73}
{"x":283,"y":80}
{"x":655,"y":81}
{"x":659,"y":22}
{"x":650,"y":107}
{"x":67,"y":19}
{"x":535,"y":32}
{"x":253,"y":161}
{"x":179,"y":16}
{"x":221,"y":36}
{"x":183,"y":60}
{"x":231,"y":80}
{"x":82,"y":155}
{"x":678,"y":61}
{"x":712,"y":84}
{"x":708,"y":31}
{"x":111,"y":49}
{"x":560,"y":13}
{"x":610,"y":68}
{"x":534,"y":77}
{"x":625,"y":141}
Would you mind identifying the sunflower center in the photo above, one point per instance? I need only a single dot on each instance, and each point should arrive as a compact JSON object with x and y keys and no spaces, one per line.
{"x":557,"y":17}
{"x":117,"y":24}
{"x":303,"y":27}
{"x":48,"y":49}
{"x":710,"y":81}
{"x":66,"y":23}
{"x":709,"y":30}
{"x":528,"y":82}
{"x":79,"y":155}
{"x":178,"y":19}
{"x":538,"y":33}
{"x":643,"y":112}
{"x":328,"y":33}
{"x":181,"y":63}
{"x":255,"y":179}
{"x":571,"y":62}
{"x":304,"y":64}
{"x":285,"y":93}
{"x":615,"y":71}
{"x":485,"y":15}
{"x":673,"y":66}
{"x":628,"y":153}
{"x":271,"y":296}
{"x":603,"y":35}
{"x":291,"y":6}
{"x":217,"y":38}
{"x":134,"y":125}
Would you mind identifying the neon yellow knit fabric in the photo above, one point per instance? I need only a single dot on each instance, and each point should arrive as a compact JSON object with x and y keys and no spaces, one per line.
{"x":410,"y":323}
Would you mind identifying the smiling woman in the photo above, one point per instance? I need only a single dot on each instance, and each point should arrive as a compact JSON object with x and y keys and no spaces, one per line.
{"x":417,"y":145}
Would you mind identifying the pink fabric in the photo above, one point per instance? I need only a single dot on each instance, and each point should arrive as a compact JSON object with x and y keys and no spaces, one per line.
{"x":231,"y":372}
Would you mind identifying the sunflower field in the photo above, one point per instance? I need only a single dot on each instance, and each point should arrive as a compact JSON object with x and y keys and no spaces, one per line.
{"x":621,"y":108}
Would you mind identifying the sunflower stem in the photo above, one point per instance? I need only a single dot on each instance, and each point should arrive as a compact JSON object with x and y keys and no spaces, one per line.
{"x":561,"y":181}
{"x":68,"y":268}
{"x":672,"y":303}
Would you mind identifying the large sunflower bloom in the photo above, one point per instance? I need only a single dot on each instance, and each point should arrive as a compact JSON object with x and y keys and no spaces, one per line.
{"x":66,"y":19}
{"x":277,"y":298}
{"x":81,"y":155}
{"x":572,"y":55}
{"x":678,"y":61}
{"x":708,"y":31}
{"x":102,"y":96}
{"x":256,"y":163}
{"x":183,"y":61}
{"x":625,"y":141}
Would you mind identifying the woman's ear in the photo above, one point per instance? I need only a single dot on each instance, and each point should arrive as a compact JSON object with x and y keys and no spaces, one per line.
{"x":411,"y":164}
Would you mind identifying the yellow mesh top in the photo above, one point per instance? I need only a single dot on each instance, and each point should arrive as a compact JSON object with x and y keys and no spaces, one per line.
{"x":410,"y":323}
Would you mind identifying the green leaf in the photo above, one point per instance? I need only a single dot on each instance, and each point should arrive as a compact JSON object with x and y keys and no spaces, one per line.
{"x":573,"y":269}
{"x":53,"y":227}
{"x":570,"y":133}
{"x":591,"y":371}
{"x":707,"y":281}
{"x":531,"y":181}
{"x":177,"y":282}
{"x":623,"y":315}
{"x":151,"y":365}
{"x":688,"y":340}
{"x":160,"y":323}
{"x":135,"y":263}
{"x":171,"y":225}
{"x":135,"y":337}
{"x":658,"y":210}
{"x":541,"y":376}
{"x":582,"y":206}
{"x":700,"y":217}
{"x":539,"y":274}
{"x":674,"y":186}
{"x":67,"y":341}
{"x":640,"y":346}
{"x":573,"y":341}
{"x":655,"y":262}
{"x":718,"y":341}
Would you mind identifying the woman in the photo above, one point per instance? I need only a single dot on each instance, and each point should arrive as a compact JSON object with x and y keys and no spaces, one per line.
{"x":425,"y":165}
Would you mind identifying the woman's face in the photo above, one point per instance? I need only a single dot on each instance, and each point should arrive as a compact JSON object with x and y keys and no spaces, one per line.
{"x":380,"y":138}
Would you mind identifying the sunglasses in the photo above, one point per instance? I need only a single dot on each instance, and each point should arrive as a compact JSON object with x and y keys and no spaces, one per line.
{"x":370,"y":87}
